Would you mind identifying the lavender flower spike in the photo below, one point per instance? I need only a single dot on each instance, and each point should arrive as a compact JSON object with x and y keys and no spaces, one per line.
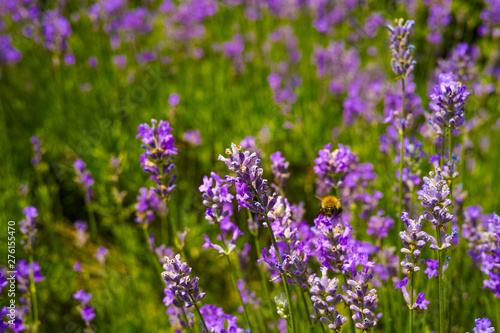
{"x":414,"y":240}
{"x":84,"y":179}
{"x":402,"y":60}
{"x":28,"y":228}
{"x":448,"y":99}
{"x":86,"y":311}
{"x":363,"y":301}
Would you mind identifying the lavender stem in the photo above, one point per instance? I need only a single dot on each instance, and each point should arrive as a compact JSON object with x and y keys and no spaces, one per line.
{"x":401,"y":152}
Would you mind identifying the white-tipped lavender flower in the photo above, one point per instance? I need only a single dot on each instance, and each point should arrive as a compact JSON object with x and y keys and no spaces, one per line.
{"x":81,"y":235}
{"x":324,"y":298}
{"x":414,"y":240}
{"x":447,"y":101}
{"x":181,"y":290}
{"x":282,"y":305}
{"x":363,"y":301}
{"x":402,"y":59}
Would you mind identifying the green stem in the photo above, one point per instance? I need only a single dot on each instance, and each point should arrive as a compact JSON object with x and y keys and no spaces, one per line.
{"x":33,"y":294}
{"x":411,"y":302}
{"x":306,"y":307}
{"x":450,"y":135}
{"x":443,"y":142}
{"x":93,"y":226}
{"x":440,"y":282}
{"x":351,"y":321}
{"x":233,"y":276}
{"x":199,"y":314}
{"x":289,"y":297}
{"x":401,"y":151}
{"x":261,"y":270}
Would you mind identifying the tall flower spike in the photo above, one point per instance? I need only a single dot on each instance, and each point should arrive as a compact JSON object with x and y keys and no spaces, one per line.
{"x":157,"y":159}
{"x":402,"y":59}
{"x":181,"y":290}
{"x":324,"y":298}
{"x":414,"y":240}
{"x":28,"y":228}
{"x":447,"y":101}
{"x":363,"y":301}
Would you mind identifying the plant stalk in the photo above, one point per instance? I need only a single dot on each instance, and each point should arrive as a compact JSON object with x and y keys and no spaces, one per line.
{"x":401,"y":151}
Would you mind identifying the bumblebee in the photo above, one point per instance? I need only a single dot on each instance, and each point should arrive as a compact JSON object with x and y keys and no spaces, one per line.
{"x":330,"y":206}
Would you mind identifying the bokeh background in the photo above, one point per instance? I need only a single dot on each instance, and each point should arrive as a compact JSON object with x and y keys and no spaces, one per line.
{"x":92,"y":113}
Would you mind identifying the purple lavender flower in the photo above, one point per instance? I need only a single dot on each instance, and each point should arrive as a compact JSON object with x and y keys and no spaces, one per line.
{"x":324,"y":298}
{"x":439,"y":18}
{"x":56,"y":30}
{"x":77,"y":267}
{"x":84,"y":179}
{"x":28,"y":228}
{"x":193,"y":137}
{"x":181,"y":290}
{"x":215,"y":198}
{"x":147,"y":204}
{"x":363,"y":301}
{"x":218,"y":321}
{"x":483,"y":326}
{"x":421,"y":302}
{"x":432,"y":268}
{"x":120,"y":60}
{"x":414,"y":240}
{"x":93,"y":62}
{"x":280,"y":171}
{"x":24,"y":270}
{"x":69,"y":59}
{"x":157,"y":159}
{"x":37,"y":150}
{"x":402,"y":59}
{"x":332,"y":166}
{"x":101,"y":255}
{"x":233,"y":50}
{"x":86,"y":311}
{"x":490,"y":16}
{"x":461,"y":62}
{"x":448,"y":99}
{"x":81,"y":235}
{"x":379,"y":225}
{"x":8,"y":54}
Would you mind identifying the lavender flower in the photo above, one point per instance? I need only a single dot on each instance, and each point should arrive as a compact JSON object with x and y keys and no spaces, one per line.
{"x":181,"y":290}
{"x":86,"y":311}
{"x":483,"y":326}
{"x":147,"y":204}
{"x":363,"y":301}
{"x":324,"y":298}
{"x":414,"y":240}
{"x":402,"y":59}
{"x":333,"y":166}
{"x":461,"y":62}
{"x":8,"y":54}
{"x":84,"y":179}
{"x":448,"y":99}
{"x":432,"y":268}
{"x":379,"y":225}
{"x":218,"y":321}
{"x":439,"y":18}
{"x":282,"y":306}
{"x":157,"y":160}
{"x":28,"y":228}
{"x":56,"y":30}
{"x":215,"y":198}
{"x":101,"y":255}
{"x":37,"y":150}
{"x":81,"y":236}
{"x":280,"y":171}
{"x":193,"y":137}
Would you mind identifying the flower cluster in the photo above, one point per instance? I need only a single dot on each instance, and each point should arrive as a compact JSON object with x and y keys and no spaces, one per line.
{"x":363,"y":301}
{"x":157,"y":159}
{"x":402,"y":59}
{"x":147,"y":204}
{"x":233,"y":50}
{"x":414,"y":240}
{"x":447,"y":101}
{"x":483,"y":234}
{"x":28,"y":228}
{"x":229,"y":232}
{"x":333,"y":166}
{"x":280,"y":171}
{"x":86,"y":311}
{"x":84,"y":179}
{"x":283,"y":79}
{"x":181,"y":291}
{"x":439,"y":18}
{"x":483,"y":325}
{"x":215,"y":198}
{"x":81,"y":235}
{"x":56,"y":30}
{"x":461,"y":62}
{"x":37,"y":150}
{"x":434,"y":198}
{"x":218,"y":321}
{"x":324,"y":298}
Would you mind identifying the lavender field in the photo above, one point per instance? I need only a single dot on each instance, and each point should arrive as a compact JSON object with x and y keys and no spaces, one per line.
{"x":231,"y":166}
